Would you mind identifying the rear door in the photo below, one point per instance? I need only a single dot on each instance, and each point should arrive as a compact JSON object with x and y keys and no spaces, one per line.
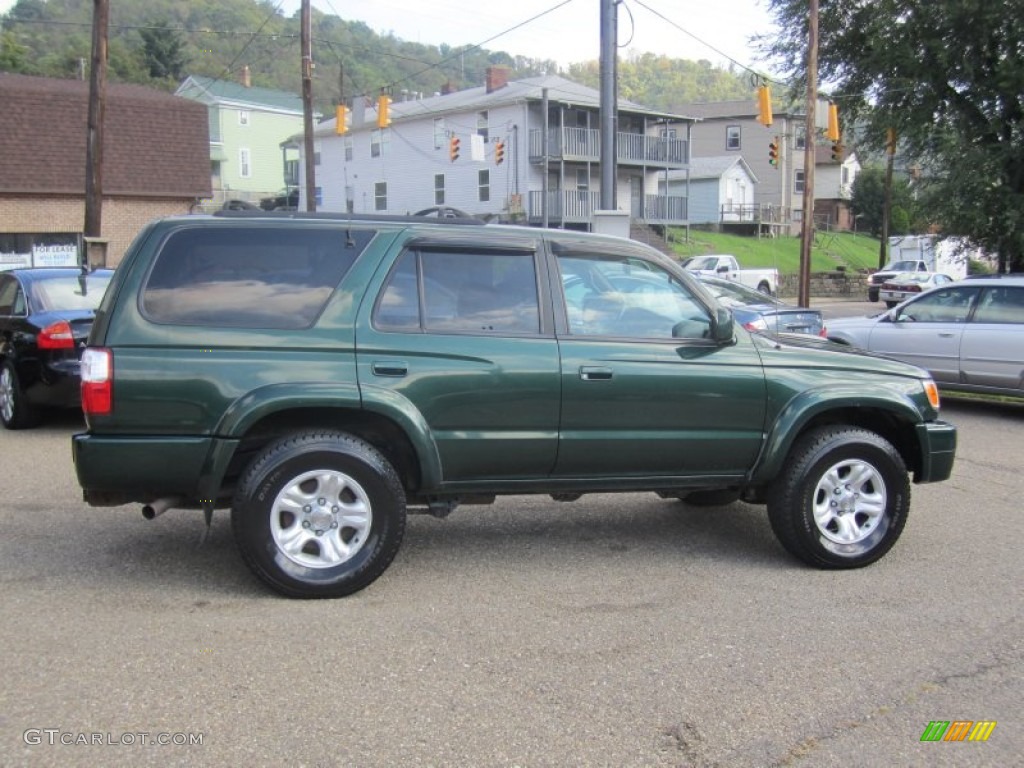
{"x":992,"y":349}
{"x":645,"y":392}
{"x":457,"y":336}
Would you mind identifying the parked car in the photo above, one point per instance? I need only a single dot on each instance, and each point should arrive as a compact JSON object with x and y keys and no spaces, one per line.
{"x":759,"y":312}
{"x":968,"y":334}
{"x":45,"y":316}
{"x":889,"y":271}
{"x":285,"y":200}
{"x":906,"y":284}
{"x":322,"y":375}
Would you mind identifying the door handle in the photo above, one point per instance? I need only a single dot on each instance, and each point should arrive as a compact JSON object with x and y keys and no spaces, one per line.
{"x":595,"y":373}
{"x":393,"y":368}
{"x":946,"y":335}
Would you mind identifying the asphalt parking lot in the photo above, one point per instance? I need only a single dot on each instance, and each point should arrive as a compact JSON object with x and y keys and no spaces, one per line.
{"x":619,"y":630}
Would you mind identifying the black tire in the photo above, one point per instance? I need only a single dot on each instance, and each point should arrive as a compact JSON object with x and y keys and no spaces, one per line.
{"x":342,"y":539}
{"x":863,"y":517}
{"x":15,"y":411}
{"x":765,"y":288}
{"x":891,"y":304}
{"x":872,"y":294}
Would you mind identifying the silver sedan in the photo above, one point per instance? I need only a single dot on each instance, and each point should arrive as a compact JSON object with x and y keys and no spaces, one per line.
{"x":969,"y":335}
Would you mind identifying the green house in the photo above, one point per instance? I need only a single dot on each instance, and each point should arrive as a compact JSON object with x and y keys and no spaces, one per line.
{"x":247,"y":128}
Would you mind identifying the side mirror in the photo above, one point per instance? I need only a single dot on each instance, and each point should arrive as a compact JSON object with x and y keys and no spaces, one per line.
{"x":724,"y":330}
{"x":723,"y":268}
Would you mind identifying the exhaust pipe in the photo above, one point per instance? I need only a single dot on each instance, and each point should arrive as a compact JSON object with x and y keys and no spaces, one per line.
{"x":158,"y":507}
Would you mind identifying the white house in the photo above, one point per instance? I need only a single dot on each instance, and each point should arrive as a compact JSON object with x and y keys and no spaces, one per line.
{"x":504,"y":169}
{"x":720,"y":189}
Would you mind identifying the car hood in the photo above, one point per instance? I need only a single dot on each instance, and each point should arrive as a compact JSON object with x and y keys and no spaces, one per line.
{"x":803,"y":350}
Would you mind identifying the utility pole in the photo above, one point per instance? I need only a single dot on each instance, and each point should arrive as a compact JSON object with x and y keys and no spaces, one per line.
{"x":807,"y":225}
{"x":890,"y":151}
{"x":306,"y":35}
{"x":97,"y":107}
{"x":608,"y":115}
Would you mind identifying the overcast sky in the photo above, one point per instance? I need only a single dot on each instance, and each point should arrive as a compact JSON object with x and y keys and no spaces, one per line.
{"x":716,"y":30}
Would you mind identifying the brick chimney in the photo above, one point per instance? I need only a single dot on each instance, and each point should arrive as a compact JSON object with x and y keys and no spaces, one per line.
{"x":246,"y":77}
{"x":447,"y":88}
{"x":497,"y":77}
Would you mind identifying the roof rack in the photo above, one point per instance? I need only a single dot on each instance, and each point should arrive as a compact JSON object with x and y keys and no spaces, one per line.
{"x":333,"y":216}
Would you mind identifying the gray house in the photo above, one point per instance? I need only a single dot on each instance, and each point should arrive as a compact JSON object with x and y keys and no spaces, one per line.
{"x":526,"y":151}
{"x":721,"y":189}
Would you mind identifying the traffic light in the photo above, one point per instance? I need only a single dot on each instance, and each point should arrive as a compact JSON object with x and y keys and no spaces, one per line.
{"x":773,"y":152}
{"x":340,"y":116}
{"x":499,"y":152}
{"x":383,"y":111}
{"x":837,"y":152}
{"x":453,"y":148}
{"x":764,"y":105}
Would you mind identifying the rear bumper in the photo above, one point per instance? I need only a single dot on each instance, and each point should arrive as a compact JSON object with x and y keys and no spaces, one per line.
{"x":123,"y":470}
{"x":938,"y":451}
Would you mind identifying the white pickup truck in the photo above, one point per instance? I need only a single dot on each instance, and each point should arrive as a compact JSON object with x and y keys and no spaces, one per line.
{"x":726,"y":267}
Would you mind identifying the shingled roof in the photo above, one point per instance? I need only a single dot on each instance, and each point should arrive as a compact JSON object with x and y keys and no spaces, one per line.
{"x":155,"y":144}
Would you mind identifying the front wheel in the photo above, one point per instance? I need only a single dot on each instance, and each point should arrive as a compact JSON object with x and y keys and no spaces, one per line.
{"x":319,"y":514}
{"x":842,"y":500}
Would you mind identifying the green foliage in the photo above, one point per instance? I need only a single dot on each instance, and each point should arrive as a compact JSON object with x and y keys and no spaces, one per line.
{"x":867,"y":201}
{"x":948,"y":76}
{"x":829,"y":252}
{"x":157,"y":42}
{"x":663,"y":83}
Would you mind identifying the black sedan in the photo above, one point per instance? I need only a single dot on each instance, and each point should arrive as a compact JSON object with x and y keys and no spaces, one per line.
{"x":45,"y":316}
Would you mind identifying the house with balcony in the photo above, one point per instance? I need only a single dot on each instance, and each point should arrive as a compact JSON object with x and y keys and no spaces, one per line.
{"x":247,"y":127}
{"x":524,"y":151}
{"x":731,"y":128}
{"x":720,"y":189}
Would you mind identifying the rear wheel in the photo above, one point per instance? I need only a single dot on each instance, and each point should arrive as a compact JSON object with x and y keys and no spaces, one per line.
{"x":765,"y":288}
{"x":319,"y":514}
{"x":842,"y":501}
{"x":15,"y":411}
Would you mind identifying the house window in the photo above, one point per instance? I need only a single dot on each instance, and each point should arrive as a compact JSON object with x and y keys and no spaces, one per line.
{"x":243,"y":117}
{"x":732,"y":137}
{"x":291,"y":173}
{"x":348,"y":148}
{"x":214,"y":117}
{"x":244,"y":163}
{"x":350,"y":199}
{"x":798,"y":182}
{"x":375,"y":143}
{"x":481,"y":124}
{"x":380,"y":196}
{"x":844,"y":175}
{"x":318,"y":195}
{"x":316,"y":154}
{"x":438,"y":189}
{"x":484,"y":186}
{"x":440,"y":137}
{"x":801,"y":138}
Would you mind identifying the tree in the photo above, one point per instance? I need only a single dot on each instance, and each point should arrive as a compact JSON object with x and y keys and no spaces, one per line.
{"x":867,"y":200}
{"x":163,"y":51}
{"x":948,"y":77}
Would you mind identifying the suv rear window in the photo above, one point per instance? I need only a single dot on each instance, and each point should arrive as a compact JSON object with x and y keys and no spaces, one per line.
{"x":246,"y":277}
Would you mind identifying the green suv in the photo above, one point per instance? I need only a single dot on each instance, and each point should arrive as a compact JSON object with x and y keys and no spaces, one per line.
{"x":322,"y":375}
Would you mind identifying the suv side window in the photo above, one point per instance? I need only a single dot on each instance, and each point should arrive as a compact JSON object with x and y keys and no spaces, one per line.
{"x":248,"y":277}
{"x":1001,"y":305}
{"x":617,"y":295}
{"x":461,"y":291}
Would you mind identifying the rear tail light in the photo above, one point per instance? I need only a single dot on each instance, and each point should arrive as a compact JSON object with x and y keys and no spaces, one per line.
{"x":758,"y":324}
{"x":56,"y":336}
{"x":97,"y":374}
{"x":823,"y":332}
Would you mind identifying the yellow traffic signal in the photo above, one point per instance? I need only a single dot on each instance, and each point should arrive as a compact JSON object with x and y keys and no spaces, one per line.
{"x":499,"y":152}
{"x":383,"y":111}
{"x":773,"y":152}
{"x":832,"y":134}
{"x":453,"y":148}
{"x":340,"y":117}
{"x":764,"y":105}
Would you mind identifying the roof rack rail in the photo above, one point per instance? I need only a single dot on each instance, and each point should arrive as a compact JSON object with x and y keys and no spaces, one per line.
{"x":334,"y":216}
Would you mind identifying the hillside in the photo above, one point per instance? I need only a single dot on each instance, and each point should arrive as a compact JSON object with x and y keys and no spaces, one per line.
{"x":160,"y":42}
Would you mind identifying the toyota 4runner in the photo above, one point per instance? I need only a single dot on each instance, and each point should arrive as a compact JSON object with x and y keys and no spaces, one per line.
{"x":321,"y":375}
